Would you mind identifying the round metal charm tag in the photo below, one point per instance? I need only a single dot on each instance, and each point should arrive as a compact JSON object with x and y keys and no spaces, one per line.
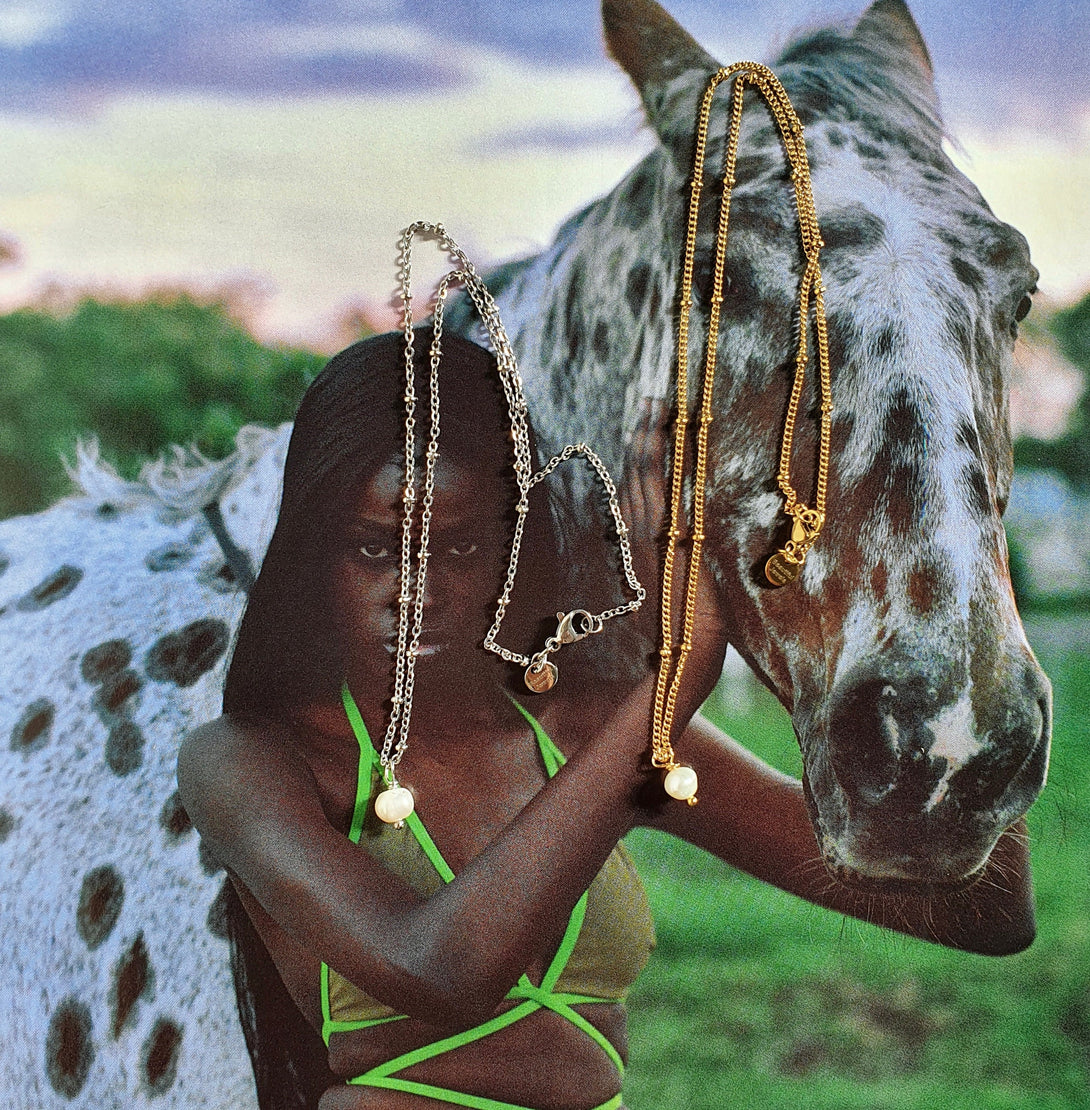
{"x":780,"y":570}
{"x":542,"y":679}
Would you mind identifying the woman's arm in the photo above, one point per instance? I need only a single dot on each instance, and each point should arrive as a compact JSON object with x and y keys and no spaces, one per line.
{"x":450,"y":958}
{"x":755,"y":818}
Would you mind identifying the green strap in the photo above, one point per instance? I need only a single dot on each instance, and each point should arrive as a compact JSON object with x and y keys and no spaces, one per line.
{"x":562,"y":1004}
{"x":448,"y":1044}
{"x":457,"y":1098}
{"x":327,"y":1017}
{"x":331,"y":1027}
{"x":567,"y":944}
{"x":368,"y":758}
{"x":552,"y":756}
{"x":441,"y":1094}
{"x":430,"y":849}
{"x":534,"y":997}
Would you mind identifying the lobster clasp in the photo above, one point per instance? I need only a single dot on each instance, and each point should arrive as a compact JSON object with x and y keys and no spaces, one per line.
{"x":576,"y":625}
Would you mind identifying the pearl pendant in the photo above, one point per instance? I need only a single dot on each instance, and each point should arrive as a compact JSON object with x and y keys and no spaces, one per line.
{"x":680,"y":782}
{"x":394,"y":805}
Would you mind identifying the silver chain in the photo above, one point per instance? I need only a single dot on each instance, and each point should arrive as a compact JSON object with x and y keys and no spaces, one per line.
{"x":411,"y":594}
{"x":576,"y":624}
{"x":589,"y":623}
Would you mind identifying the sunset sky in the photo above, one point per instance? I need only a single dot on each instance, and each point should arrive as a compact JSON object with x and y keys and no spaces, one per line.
{"x":280,"y":146}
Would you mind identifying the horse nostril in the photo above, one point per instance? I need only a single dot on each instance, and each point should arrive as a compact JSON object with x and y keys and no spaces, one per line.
{"x":866,"y":741}
{"x":1010,"y":770}
{"x":928,"y":743}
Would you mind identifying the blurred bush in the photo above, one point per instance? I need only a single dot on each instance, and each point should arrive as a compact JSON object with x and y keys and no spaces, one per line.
{"x":1048,"y":522}
{"x":139,"y":375}
{"x":1070,"y":454}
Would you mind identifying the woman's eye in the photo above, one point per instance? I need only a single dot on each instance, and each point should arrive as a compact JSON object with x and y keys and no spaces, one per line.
{"x":374,"y":550}
{"x":466,"y":548}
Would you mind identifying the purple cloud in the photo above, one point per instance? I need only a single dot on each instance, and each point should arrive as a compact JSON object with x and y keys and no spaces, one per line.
{"x":245,"y":47}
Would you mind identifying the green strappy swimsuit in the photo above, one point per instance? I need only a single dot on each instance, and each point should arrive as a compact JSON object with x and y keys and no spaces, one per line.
{"x":529,"y":998}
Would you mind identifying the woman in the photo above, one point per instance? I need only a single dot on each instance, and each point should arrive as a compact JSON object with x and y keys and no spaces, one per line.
{"x":482,"y":976}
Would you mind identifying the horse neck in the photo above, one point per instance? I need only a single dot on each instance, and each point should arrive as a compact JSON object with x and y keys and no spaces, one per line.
{"x":592,"y":316}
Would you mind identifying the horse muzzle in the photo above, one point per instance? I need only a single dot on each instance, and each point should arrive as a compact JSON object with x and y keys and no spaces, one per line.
{"x":919,"y":771}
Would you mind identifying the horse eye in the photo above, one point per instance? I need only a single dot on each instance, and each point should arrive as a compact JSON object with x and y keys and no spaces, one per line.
{"x":1021,"y":312}
{"x":465,"y":548}
{"x":373,"y":551}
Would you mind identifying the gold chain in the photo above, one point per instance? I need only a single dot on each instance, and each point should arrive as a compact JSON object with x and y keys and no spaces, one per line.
{"x":786,"y":564}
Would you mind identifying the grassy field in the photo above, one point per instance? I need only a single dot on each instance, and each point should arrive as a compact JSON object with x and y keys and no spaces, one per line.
{"x":757,"y":1001}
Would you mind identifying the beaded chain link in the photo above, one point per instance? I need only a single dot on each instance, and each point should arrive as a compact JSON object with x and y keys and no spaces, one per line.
{"x":411,"y":589}
{"x":786,"y":564}
{"x":408,"y":643}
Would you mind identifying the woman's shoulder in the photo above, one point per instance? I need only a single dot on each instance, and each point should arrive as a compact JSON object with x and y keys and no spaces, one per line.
{"x":235,"y":741}
{"x":228,"y":744}
{"x":227,"y":765}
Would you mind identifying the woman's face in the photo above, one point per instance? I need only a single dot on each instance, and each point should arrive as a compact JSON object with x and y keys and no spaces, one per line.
{"x":468,"y":549}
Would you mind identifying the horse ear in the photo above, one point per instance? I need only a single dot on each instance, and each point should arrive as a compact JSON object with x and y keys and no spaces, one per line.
{"x":889,"y":23}
{"x":667,"y":65}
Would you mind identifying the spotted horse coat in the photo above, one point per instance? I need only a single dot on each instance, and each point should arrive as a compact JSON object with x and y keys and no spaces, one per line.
{"x":921,"y":712}
{"x":922,"y":716}
{"x":117,"y":607}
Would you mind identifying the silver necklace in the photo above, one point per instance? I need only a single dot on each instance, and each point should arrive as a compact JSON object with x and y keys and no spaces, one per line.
{"x":395,"y":803}
{"x":541,"y":674}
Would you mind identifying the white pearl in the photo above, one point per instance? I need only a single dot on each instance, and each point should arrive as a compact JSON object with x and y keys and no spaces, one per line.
{"x":680,"y":783}
{"x":394,"y":805}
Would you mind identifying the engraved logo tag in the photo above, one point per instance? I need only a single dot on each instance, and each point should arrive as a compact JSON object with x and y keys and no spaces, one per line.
{"x":779,"y":570}
{"x":544,"y":678}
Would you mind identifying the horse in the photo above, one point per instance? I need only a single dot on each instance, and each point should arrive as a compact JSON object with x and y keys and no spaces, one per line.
{"x":117,"y":608}
{"x":922,"y":716}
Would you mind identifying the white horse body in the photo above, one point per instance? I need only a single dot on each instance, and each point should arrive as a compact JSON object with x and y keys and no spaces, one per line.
{"x":115,"y":986}
{"x":117,"y":608}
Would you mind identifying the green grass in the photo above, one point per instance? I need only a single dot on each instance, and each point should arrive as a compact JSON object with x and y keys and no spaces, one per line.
{"x":754,"y":999}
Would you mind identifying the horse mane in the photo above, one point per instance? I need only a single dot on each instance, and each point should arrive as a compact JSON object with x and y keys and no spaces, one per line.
{"x":178,"y":484}
{"x":888,"y":94}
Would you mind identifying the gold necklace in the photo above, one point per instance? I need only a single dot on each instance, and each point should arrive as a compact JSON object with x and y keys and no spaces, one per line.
{"x":786,"y":564}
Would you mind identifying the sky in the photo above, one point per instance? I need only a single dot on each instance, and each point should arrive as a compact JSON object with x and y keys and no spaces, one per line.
{"x":278,"y":146}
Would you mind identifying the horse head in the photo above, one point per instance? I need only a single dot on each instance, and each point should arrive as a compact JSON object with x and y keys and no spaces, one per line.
{"x":922,"y":714}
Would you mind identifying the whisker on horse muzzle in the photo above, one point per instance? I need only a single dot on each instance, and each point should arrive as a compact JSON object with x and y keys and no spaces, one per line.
{"x":916,"y":772}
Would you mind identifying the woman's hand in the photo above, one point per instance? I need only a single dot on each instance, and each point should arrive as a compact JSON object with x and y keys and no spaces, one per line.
{"x":645,"y":508}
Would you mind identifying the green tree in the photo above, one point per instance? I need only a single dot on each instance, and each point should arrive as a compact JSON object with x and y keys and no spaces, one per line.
{"x":139,"y":375}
